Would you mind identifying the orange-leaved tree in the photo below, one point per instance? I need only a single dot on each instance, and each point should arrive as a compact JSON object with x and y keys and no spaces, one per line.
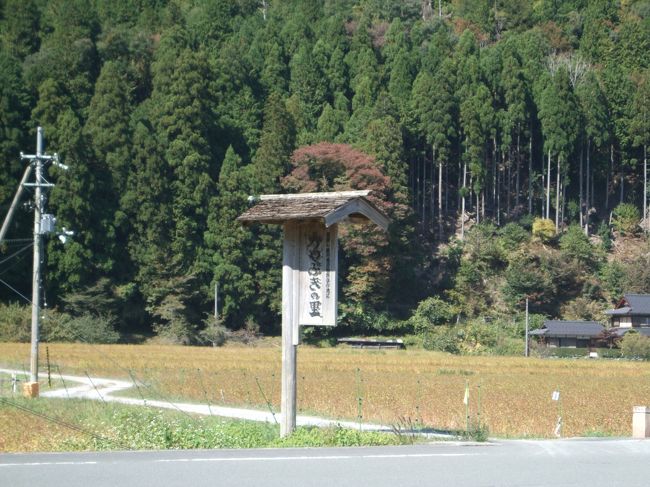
{"x":366,"y":261}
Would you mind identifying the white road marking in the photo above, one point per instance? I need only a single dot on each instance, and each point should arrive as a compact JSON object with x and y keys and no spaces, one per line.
{"x":316,"y":457}
{"x":44,"y":464}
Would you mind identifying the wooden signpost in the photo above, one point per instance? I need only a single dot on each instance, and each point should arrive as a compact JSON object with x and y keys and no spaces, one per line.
{"x":309,"y":266}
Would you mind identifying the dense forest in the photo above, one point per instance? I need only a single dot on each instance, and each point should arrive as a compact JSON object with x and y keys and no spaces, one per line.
{"x":507,"y":140}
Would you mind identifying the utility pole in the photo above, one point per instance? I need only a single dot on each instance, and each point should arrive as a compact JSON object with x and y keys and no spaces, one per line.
{"x":42,"y":226}
{"x":216,"y":301}
{"x":527,"y":346}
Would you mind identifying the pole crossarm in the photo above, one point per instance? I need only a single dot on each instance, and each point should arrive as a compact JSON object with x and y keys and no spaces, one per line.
{"x":39,"y":185}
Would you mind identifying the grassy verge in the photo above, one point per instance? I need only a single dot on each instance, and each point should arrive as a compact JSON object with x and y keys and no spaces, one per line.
{"x":73,"y":425}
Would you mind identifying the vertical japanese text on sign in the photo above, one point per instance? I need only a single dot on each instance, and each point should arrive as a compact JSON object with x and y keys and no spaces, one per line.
{"x":318,"y":262}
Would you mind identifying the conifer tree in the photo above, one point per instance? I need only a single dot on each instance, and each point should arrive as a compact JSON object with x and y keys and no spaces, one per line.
{"x":228,"y":244}
{"x":14,"y":113}
{"x":109,"y":132}
{"x":276,"y":144}
{"x":19,"y":27}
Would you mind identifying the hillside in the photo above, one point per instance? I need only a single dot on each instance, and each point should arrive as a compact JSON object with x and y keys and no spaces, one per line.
{"x":469,"y":121}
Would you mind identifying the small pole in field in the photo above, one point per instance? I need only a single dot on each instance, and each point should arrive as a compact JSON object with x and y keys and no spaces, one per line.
{"x":466,"y":402}
{"x":558,"y":425}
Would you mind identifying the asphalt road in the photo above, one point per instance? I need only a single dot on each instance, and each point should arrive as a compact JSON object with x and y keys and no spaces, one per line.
{"x":560,"y":463}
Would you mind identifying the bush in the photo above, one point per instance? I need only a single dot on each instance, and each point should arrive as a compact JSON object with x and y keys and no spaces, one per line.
{"x":543,"y":229}
{"x":177,"y":332}
{"x":575,"y":245}
{"x":87,"y":328}
{"x":626,"y":219}
{"x":512,"y":236}
{"x":15,"y":323}
{"x":635,"y":346}
{"x":442,"y":339}
{"x":432,"y":312}
{"x":214,"y":333}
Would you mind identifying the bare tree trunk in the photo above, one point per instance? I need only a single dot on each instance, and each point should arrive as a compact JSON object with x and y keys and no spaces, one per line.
{"x":495,"y":169}
{"x":563,"y":197}
{"x":517,"y":171}
{"x":265,"y":6}
{"x":530,"y":171}
{"x":483,"y":204}
{"x":645,"y":188}
{"x":416,"y":187}
{"x":557,"y":196}
{"x":508,"y":183}
{"x":548,"y":187}
{"x":432,"y":195}
{"x":440,"y":200}
{"x":424,"y":193}
{"x":462,"y":213}
{"x":447,"y":192}
{"x":581,"y":178}
{"x":622,"y":191}
{"x":498,"y":182}
{"x":543,"y":205}
{"x":460,"y":179}
{"x":587,"y":196}
{"x":609,"y":175}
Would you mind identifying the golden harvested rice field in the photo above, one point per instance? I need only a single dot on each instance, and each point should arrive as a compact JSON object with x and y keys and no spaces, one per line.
{"x":597,"y":396}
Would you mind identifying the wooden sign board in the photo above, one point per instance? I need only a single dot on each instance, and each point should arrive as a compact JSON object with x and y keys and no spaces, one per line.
{"x":317,"y":276}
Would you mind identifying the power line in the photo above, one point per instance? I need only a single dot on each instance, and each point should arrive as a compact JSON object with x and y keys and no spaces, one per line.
{"x":16,"y":291}
{"x":17,"y":252}
{"x":65,"y":424}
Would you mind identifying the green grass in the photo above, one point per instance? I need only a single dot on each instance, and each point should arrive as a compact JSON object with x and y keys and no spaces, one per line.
{"x":74,"y":425}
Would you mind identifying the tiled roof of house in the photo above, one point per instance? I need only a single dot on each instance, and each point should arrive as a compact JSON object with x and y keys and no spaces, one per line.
{"x":558,"y":328}
{"x":640,"y":303}
{"x":632,"y":305}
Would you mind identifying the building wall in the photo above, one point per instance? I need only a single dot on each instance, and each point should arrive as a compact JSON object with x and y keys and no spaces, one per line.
{"x":641,"y":321}
{"x":623,"y":321}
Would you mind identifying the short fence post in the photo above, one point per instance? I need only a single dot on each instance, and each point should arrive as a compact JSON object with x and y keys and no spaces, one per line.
{"x":640,"y":422}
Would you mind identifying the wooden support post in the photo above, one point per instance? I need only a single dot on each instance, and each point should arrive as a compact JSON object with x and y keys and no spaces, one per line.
{"x":290,"y":262}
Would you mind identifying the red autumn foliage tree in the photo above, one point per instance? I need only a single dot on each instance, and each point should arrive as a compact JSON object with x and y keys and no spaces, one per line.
{"x":339,"y":167}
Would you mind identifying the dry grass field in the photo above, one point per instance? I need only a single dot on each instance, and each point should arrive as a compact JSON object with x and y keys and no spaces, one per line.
{"x":391,"y":387}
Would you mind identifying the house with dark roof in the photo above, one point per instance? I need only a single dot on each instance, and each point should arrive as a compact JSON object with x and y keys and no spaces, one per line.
{"x":570,"y":334}
{"x":632,"y":311}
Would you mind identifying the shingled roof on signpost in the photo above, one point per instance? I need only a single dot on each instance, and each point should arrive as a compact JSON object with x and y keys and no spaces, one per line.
{"x":328,"y":208}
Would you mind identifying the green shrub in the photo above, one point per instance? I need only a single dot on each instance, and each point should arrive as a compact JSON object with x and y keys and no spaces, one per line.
{"x":442,"y":339}
{"x":432,"y":312}
{"x":605,"y":235}
{"x":87,"y":328}
{"x":626,"y":218}
{"x":177,"y":332}
{"x":575,"y":245}
{"x":214,"y":333}
{"x":635,"y":346}
{"x":512,"y":236}
{"x":15,"y":323}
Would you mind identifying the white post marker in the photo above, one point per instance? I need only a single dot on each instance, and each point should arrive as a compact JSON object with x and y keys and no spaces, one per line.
{"x":309,"y":267}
